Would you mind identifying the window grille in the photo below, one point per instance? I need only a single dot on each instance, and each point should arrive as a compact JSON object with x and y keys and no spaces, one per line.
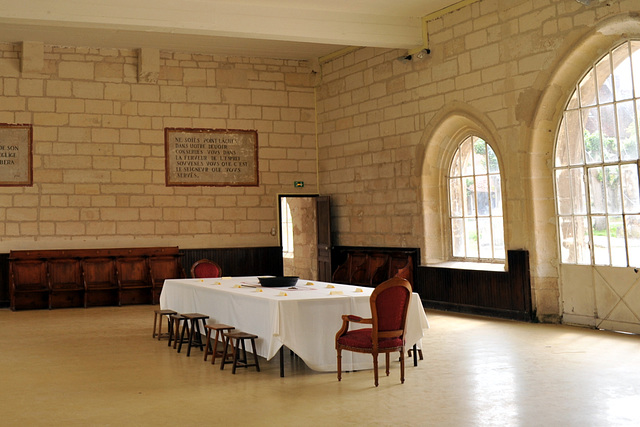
{"x":475,"y":203}
{"x":596,"y":164}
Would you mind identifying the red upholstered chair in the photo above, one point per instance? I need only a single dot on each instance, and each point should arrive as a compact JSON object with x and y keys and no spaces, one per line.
{"x":389,"y":305}
{"x":205,"y":268}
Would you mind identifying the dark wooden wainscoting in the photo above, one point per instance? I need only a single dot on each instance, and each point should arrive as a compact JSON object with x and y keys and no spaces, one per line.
{"x":261,"y":261}
{"x":5,"y":299}
{"x":499,"y":294}
{"x":370,"y":266}
{"x":233,"y":261}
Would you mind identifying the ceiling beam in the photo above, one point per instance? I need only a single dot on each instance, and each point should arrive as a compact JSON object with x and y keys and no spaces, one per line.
{"x":219,"y":18}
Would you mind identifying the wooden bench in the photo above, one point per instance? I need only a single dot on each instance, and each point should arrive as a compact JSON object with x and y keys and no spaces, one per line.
{"x":90,"y":277}
{"x":369,"y":266}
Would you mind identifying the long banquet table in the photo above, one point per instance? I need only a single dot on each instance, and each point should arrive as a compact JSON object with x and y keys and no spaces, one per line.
{"x":305,"y":319}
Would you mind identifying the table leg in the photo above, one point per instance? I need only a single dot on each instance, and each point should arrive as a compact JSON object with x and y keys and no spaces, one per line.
{"x":415,"y":355}
{"x":282,"y":362}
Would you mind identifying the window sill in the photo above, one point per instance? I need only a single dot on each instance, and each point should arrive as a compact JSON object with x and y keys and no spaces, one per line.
{"x":466,"y":265}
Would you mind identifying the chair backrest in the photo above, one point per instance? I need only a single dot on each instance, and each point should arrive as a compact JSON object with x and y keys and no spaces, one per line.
{"x":205,"y":268}
{"x":389,"y":306}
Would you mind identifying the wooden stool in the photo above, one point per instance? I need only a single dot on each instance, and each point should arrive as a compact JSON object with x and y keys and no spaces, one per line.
{"x":158,"y":315}
{"x":219,"y":328}
{"x":240,"y":337}
{"x":174,"y":328}
{"x":193,"y":319}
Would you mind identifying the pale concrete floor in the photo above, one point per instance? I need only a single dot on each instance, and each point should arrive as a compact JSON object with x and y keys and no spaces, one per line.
{"x":100,"y":367}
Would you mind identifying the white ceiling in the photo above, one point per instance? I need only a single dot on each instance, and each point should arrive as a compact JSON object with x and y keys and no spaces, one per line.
{"x":283,"y":29}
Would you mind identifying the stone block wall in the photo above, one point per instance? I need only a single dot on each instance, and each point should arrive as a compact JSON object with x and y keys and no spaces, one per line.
{"x":98,"y":119}
{"x":388,"y":127}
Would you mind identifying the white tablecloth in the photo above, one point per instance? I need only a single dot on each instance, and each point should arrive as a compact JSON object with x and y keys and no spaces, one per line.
{"x":305,"y":320}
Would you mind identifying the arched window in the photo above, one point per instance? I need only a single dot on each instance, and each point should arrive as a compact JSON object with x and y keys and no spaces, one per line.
{"x":475,"y":203}
{"x":596,"y":164}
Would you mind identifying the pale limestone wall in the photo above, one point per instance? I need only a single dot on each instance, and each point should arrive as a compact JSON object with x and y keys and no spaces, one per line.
{"x":99,"y":178}
{"x":388,"y":128}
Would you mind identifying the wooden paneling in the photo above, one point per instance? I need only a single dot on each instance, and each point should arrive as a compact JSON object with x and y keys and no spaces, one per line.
{"x":500,"y":294}
{"x":162,"y":268}
{"x":5,"y":299}
{"x":89,"y":277}
{"x":98,"y":273}
{"x":30,"y":289}
{"x":259,"y":261}
{"x":65,"y":283}
{"x":370,"y":266}
{"x":100,"y":283}
{"x":133,"y":280}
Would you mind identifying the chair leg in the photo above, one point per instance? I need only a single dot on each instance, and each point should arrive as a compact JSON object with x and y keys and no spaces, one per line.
{"x":339,"y":364}
{"x":402,"y":366}
{"x":386,"y":360}
{"x":375,"y":368}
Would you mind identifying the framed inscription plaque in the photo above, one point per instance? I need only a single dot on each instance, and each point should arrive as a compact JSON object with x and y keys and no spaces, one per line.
{"x":16,"y":155}
{"x":211,"y":157}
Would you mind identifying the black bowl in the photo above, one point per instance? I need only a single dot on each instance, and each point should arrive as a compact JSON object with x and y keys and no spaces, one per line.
{"x":278,"y":281}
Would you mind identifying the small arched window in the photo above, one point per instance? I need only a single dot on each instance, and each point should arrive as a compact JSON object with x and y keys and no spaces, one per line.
{"x":596,"y":164}
{"x":475,"y":203}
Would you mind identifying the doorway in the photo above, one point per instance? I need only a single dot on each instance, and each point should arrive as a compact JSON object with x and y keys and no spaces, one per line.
{"x":299,"y":235}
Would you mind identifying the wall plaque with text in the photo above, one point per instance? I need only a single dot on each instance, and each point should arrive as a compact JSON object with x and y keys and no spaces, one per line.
{"x":16,"y":155}
{"x":212,"y":157}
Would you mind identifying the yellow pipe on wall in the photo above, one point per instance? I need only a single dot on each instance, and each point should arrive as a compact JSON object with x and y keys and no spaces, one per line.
{"x":436,"y":15}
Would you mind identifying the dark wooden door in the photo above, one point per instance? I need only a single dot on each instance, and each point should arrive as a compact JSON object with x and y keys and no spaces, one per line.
{"x":323,"y":213}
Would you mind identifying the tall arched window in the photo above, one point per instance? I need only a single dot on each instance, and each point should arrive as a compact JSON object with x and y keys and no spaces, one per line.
{"x":596,"y":164}
{"x":475,"y":203}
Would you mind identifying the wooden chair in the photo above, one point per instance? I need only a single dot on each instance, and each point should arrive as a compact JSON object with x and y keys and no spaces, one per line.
{"x":205,"y":268}
{"x":389,"y":305}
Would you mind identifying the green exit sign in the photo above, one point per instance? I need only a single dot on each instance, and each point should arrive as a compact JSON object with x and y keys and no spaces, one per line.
{"x":298,"y":184}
